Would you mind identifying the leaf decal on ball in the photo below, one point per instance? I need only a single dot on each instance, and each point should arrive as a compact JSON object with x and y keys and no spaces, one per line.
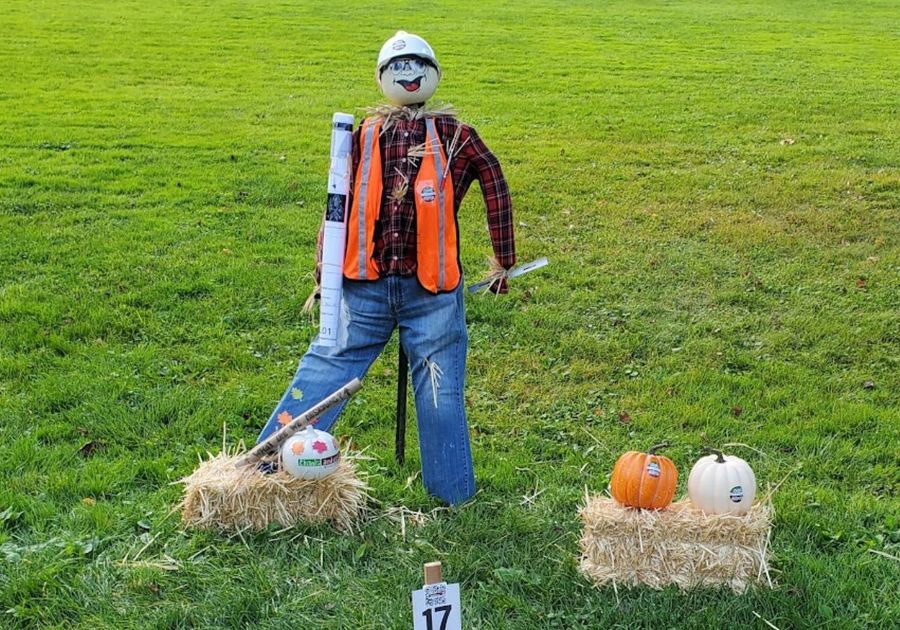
{"x":297,"y":448}
{"x":320,"y":446}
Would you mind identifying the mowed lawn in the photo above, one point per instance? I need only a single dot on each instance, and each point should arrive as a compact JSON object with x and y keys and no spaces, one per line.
{"x":716,"y":184}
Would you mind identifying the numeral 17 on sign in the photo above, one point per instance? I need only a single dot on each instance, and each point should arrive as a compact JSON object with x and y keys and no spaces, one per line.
{"x":436,"y":604}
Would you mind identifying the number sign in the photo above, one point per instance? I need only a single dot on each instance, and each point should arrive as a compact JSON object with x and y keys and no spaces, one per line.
{"x":436,"y":607}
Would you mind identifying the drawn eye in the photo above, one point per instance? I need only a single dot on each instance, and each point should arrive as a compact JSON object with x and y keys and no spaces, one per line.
{"x":397,"y":66}
{"x":419,"y":64}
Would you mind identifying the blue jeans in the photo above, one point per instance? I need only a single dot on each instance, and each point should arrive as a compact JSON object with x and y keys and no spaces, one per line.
{"x":433,"y":335}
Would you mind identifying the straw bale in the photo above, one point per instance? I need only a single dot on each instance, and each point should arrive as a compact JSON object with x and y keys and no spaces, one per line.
{"x":222,"y":497}
{"x":680,"y":545}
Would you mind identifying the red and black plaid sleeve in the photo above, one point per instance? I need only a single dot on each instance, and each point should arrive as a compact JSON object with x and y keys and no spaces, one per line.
{"x":476,"y":161}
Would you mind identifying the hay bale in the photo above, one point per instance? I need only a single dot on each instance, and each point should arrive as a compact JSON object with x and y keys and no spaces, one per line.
{"x":680,"y":545}
{"x":220,"y":496}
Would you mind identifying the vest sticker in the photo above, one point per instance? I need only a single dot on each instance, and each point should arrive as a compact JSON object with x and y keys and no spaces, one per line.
{"x":653,"y":469}
{"x":736,"y":494}
{"x":427,"y":193}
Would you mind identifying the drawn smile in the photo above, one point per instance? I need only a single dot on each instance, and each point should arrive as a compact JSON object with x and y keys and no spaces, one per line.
{"x":411,"y":86}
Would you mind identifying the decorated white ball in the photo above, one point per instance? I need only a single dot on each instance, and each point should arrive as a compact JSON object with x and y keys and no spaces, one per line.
{"x":310,"y":454}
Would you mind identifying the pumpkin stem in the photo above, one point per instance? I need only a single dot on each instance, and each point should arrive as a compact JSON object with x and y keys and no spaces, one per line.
{"x":652,"y":450}
{"x":720,"y":458}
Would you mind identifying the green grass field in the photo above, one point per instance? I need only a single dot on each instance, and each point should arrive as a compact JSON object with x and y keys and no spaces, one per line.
{"x":717,"y":185}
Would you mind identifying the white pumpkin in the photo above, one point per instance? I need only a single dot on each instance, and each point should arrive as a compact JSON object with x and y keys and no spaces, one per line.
{"x":722,"y":484}
{"x":310,"y":454}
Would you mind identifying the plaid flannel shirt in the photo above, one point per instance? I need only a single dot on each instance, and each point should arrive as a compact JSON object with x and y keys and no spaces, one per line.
{"x":395,"y":231}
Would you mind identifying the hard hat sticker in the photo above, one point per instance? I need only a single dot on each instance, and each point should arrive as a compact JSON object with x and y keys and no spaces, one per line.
{"x":653,"y":469}
{"x":400,"y":44}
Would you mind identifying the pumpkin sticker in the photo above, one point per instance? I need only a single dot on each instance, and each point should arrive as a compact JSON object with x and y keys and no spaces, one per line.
{"x":736,"y":494}
{"x":653,"y":469}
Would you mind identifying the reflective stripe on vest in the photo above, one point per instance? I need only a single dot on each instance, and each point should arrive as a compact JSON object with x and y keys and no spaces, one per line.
{"x":437,"y":248}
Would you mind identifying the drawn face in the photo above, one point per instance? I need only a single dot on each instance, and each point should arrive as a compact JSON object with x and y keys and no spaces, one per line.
{"x":408,"y":80}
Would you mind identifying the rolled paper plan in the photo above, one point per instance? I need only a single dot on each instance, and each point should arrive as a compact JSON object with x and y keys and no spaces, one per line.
{"x":272,"y":444}
{"x":335,"y":229}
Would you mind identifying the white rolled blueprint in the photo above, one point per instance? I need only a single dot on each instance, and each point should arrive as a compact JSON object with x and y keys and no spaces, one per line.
{"x":335,"y":233}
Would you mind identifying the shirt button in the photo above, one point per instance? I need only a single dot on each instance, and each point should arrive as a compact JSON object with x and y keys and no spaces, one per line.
{"x":405,"y":134}
{"x":396,"y":258}
{"x":396,"y":234}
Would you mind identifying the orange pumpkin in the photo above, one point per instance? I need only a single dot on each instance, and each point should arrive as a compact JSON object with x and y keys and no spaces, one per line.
{"x":644,"y":480}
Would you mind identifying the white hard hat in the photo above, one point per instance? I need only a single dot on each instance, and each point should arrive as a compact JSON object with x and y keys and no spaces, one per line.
{"x":405,"y":44}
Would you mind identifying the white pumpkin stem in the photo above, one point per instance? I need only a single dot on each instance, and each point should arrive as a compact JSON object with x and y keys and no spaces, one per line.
{"x":720,"y":458}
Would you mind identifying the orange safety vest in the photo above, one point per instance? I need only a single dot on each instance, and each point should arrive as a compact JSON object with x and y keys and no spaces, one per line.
{"x":437,"y":241}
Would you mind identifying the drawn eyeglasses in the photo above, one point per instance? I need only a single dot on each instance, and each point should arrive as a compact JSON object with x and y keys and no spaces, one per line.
{"x":406,"y":63}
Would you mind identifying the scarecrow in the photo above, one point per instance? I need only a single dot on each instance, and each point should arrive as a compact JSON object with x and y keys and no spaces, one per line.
{"x":411,"y":167}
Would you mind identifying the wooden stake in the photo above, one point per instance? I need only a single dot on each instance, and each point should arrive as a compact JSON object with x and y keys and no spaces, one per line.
{"x":433,"y":573}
